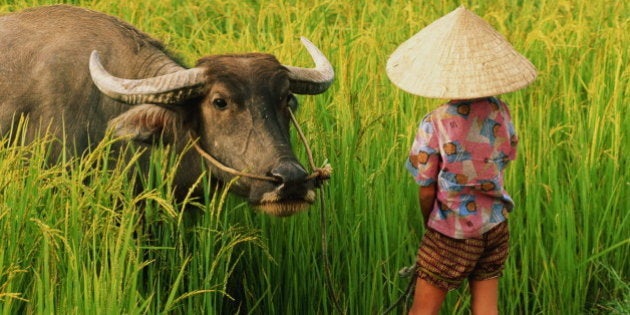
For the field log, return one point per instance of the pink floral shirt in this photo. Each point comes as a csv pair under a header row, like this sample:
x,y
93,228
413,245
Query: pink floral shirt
x,y
464,146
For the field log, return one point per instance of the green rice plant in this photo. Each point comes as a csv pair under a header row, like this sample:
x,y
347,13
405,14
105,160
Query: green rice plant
x,y
73,246
78,237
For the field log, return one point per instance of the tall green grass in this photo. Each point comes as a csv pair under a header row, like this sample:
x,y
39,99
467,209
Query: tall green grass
x,y
76,238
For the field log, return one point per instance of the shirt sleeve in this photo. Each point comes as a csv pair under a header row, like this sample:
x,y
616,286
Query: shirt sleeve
x,y
424,157
512,133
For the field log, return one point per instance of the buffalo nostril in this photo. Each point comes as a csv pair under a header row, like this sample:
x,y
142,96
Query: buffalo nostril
x,y
288,171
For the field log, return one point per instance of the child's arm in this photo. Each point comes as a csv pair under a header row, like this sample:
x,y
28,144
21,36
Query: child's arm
x,y
426,196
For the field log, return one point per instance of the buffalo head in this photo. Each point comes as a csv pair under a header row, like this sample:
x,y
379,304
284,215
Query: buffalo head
x,y
236,106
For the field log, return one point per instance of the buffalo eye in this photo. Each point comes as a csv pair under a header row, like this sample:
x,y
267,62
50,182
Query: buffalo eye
x,y
292,102
220,103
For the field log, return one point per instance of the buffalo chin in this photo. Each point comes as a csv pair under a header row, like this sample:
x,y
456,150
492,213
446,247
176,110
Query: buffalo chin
x,y
283,209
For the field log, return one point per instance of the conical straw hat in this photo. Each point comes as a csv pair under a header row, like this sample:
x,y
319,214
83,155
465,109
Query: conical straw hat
x,y
459,56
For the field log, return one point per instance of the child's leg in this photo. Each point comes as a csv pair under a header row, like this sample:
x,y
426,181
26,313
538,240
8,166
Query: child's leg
x,y
485,296
427,299
484,280
439,269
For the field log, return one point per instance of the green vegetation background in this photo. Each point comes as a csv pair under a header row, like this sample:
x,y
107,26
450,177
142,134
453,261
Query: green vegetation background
x,y
68,247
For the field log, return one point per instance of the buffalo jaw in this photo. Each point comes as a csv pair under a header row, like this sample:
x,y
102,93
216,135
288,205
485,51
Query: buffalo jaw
x,y
293,191
272,203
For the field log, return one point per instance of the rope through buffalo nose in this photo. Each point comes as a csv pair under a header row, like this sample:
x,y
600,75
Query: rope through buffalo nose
x,y
228,169
319,174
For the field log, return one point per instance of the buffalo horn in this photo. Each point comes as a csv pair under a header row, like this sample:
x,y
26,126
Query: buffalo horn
x,y
166,89
311,80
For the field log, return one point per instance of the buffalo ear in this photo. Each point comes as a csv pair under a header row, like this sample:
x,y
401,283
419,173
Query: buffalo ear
x,y
144,123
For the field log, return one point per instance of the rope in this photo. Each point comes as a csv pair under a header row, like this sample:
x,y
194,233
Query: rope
x,y
324,172
228,169
319,174
404,273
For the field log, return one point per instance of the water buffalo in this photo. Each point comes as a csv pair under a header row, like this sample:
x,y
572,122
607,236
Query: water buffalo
x,y
78,72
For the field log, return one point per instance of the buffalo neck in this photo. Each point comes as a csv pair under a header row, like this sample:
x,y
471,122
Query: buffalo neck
x,y
155,62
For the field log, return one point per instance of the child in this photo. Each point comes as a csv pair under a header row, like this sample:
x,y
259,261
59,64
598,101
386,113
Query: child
x,y
459,154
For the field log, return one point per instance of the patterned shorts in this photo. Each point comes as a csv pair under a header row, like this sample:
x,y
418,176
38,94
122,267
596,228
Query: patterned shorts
x,y
446,262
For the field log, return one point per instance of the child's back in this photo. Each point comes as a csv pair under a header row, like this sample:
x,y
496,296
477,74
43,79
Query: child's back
x,y
465,146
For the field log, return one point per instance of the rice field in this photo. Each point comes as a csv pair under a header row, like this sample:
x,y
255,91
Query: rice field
x,y
76,239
